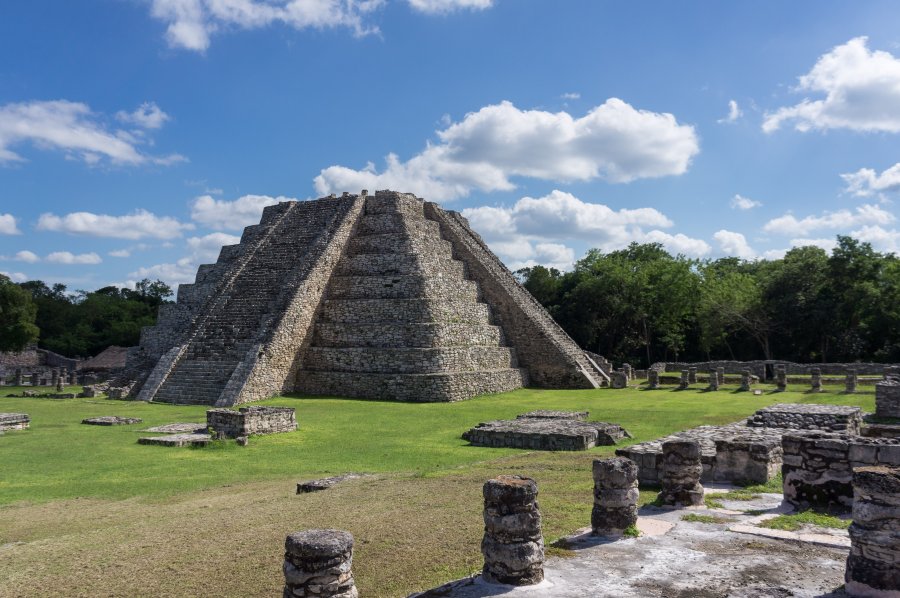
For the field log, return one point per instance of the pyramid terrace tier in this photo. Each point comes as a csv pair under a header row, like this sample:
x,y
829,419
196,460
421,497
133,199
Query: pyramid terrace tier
x,y
388,264
396,242
378,224
404,310
393,334
425,388
403,287
409,361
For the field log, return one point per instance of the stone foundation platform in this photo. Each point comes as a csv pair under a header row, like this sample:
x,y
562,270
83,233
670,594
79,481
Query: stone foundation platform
x,y
14,421
177,440
251,420
545,433
827,418
111,420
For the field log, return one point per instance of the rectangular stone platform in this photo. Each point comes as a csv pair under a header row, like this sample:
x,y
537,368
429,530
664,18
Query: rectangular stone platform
x,y
14,421
111,420
177,440
830,418
251,420
545,434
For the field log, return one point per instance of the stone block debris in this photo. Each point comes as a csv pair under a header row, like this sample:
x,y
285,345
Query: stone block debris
x,y
245,421
318,563
745,380
798,416
681,473
14,421
748,458
513,545
873,567
545,434
177,440
178,428
382,296
111,420
887,398
618,380
615,496
325,483
554,414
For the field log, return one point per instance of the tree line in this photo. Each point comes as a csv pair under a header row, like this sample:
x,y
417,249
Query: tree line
x,y
80,323
640,305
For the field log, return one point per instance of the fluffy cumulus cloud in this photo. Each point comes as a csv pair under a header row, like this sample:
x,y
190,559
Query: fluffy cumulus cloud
x,y
535,230
137,225
201,250
8,224
865,215
614,141
15,276
739,202
734,244
26,256
866,181
861,88
67,257
71,127
445,6
147,116
734,113
206,248
232,215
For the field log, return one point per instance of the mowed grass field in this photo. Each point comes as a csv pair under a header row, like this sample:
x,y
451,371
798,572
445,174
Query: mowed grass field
x,y
86,511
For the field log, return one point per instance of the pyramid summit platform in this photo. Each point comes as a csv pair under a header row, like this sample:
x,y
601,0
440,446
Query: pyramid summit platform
x,y
383,297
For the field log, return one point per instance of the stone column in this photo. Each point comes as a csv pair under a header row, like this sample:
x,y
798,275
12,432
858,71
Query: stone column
x,y
64,374
745,380
653,379
318,562
815,379
780,377
615,496
629,372
682,469
852,381
54,380
720,375
513,546
18,377
692,375
34,379
618,380
887,398
713,380
685,379
59,384
872,567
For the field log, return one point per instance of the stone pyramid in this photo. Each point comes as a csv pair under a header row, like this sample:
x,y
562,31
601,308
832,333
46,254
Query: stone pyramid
x,y
383,297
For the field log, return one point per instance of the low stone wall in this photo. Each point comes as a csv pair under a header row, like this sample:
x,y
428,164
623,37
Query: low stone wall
x,y
830,418
251,420
818,467
513,545
887,398
545,434
872,567
765,368
14,421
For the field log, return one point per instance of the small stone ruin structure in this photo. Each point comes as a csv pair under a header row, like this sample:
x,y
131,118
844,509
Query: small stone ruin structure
x,y
251,420
873,567
513,544
887,398
14,421
546,431
318,564
799,416
681,473
111,420
385,296
615,496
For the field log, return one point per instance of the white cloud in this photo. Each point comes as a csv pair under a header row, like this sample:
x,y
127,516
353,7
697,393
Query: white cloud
x,y
232,215
678,243
445,6
203,249
8,221
739,202
192,22
866,181
826,244
861,87
614,141
26,256
120,253
206,248
67,257
70,127
147,116
137,225
842,219
881,238
734,113
734,244
15,276
571,96
549,255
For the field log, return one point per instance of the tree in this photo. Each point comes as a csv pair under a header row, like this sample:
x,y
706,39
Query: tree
x,y
17,316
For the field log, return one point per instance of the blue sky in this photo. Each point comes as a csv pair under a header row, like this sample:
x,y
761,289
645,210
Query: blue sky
x,y
136,137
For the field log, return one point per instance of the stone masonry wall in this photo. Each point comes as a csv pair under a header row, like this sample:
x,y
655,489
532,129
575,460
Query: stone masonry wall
x,y
553,360
829,418
251,420
758,367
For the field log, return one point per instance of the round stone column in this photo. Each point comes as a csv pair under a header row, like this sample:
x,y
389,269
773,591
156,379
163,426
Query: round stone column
x,y
692,375
615,496
682,469
873,567
745,380
851,382
780,377
652,379
815,379
685,379
317,563
713,379
513,546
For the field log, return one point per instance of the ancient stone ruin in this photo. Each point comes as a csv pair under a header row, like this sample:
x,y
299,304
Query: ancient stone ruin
x,y
887,398
111,420
383,296
615,496
14,421
681,473
546,431
833,418
872,567
251,420
513,545
318,563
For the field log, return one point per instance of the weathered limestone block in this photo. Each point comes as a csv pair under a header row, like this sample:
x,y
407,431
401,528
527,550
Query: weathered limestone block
x,y
720,375
111,420
851,382
747,459
682,469
745,380
826,418
887,398
318,563
14,421
251,420
692,375
545,434
615,495
629,372
653,379
873,567
685,380
618,380
815,379
780,377
713,380
513,546
553,414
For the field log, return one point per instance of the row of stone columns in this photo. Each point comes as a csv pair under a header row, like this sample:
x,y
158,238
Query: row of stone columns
x,y
58,377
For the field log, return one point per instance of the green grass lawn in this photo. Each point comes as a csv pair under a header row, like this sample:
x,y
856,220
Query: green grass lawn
x,y
61,458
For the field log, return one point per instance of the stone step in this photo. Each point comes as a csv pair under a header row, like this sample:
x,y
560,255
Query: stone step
x,y
400,243
399,263
408,361
402,287
391,334
370,311
392,204
378,224
431,388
